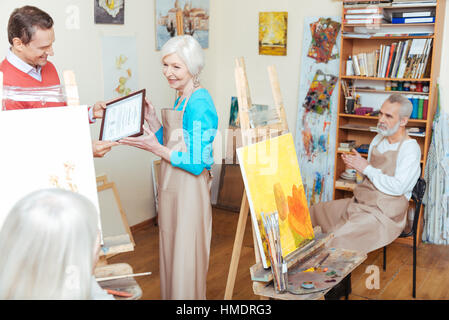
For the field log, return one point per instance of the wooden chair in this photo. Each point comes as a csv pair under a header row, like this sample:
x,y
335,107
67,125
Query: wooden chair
x,y
417,195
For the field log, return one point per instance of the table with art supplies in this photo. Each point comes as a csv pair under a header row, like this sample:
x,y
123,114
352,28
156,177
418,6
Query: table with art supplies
x,y
310,272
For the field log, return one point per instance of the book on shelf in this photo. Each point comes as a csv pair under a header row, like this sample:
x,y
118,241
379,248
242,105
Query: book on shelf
x,y
363,21
364,16
413,3
346,184
404,59
413,14
373,10
361,3
347,144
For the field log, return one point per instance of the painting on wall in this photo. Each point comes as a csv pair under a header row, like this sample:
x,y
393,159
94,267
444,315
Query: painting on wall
x,y
195,19
109,11
41,165
273,183
273,33
119,66
317,110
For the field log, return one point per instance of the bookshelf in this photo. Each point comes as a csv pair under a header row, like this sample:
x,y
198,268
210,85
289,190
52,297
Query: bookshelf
x,y
362,38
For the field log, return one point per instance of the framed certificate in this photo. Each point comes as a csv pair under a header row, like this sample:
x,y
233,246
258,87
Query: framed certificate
x,y
124,117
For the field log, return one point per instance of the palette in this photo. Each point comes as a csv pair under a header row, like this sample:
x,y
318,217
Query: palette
x,y
322,279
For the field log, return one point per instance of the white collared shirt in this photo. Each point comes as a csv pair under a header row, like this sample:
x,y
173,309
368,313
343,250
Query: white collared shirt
x,y
13,59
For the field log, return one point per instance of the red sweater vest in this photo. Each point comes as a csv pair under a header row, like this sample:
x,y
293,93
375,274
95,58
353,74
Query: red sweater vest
x,y
16,78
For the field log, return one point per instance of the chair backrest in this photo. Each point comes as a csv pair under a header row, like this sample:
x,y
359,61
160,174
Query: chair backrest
x,y
417,196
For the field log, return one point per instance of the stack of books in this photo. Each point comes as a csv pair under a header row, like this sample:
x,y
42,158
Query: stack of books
x,y
365,3
424,15
413,3
347,146
372,15
406,59
420,107
416,132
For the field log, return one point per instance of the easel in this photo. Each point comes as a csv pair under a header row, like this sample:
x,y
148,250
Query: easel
x,y
311,253
249,136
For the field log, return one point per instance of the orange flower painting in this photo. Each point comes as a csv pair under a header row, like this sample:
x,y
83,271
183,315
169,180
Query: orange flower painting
x,y
273,183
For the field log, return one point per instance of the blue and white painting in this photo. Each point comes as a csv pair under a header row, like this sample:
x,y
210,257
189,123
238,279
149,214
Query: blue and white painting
x,y
315,131
195,17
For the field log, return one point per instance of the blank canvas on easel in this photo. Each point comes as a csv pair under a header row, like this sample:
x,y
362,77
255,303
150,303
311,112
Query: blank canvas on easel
x,y
273,183
45,148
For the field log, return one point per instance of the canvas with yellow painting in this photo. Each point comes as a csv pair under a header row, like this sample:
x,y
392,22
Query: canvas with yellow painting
x,y
273,183
273,33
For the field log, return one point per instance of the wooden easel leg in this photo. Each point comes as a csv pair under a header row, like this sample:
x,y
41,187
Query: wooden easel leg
x,y
243,216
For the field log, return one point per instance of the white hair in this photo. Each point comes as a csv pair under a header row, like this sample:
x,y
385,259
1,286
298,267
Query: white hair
x,y
406,107
47,247
188,49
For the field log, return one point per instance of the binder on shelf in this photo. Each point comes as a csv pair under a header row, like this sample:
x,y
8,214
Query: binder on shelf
x,y
413,20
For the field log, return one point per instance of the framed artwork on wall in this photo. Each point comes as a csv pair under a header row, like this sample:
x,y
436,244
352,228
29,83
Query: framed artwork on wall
x,y
195,20
273,33
109,11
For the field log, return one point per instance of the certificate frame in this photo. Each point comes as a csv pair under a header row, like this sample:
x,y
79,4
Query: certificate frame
x,y
116,104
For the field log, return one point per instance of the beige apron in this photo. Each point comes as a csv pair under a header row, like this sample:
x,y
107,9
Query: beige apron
x,y
369,220
185,221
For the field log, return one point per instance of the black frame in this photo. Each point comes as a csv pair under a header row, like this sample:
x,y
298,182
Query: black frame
x,y
142,117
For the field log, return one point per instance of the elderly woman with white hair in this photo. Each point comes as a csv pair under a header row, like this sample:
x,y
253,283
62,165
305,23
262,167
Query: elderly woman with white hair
x,y
184,142
49,246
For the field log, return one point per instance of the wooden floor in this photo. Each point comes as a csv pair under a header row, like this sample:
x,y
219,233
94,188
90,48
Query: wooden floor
x,y
395,282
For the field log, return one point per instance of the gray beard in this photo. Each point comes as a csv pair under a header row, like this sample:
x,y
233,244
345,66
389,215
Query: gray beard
x,y
389,132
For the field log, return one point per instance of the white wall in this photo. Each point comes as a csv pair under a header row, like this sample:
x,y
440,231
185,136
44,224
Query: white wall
x,y
80,50
233,33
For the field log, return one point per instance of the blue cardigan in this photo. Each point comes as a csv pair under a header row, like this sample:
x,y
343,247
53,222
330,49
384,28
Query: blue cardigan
x,y
200,126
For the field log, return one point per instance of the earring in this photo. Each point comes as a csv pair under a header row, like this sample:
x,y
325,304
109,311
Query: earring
x,y
196,81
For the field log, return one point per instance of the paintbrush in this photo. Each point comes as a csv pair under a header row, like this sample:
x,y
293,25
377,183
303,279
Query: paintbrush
x,y
321,261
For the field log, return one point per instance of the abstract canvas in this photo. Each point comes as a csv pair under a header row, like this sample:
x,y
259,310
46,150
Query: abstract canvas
x,y
195,15
63,160
317,110
324,33
119,66
273,33
109,11
320,92
273,183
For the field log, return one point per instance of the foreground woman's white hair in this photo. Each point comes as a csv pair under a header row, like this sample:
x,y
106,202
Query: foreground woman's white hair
x,y
188,49
46,247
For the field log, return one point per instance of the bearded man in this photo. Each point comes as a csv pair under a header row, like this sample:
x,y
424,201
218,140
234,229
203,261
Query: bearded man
x,y
376,215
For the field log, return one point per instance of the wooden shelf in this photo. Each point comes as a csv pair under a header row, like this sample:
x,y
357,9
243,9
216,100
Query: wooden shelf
x,y
389,25
345,115
355,127
390,7
384,79
389,37
392,91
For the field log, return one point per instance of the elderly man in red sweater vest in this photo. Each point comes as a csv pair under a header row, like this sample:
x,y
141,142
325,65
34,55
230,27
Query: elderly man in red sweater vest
x,y
31,35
